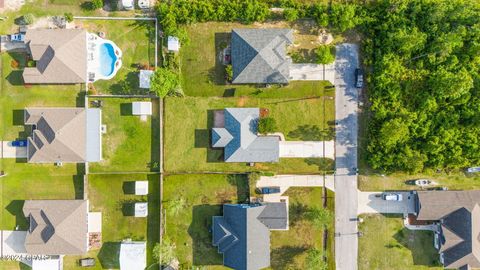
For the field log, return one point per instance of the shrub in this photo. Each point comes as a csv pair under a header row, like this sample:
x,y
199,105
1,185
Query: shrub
x,y
14,63
229,72
290,14
31,63
68,16
267,125
325,54
165,82
164,253
97,4
315,260
321,218
28,18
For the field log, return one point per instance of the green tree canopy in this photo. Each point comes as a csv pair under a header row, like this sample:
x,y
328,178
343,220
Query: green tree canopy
x,y
325,54
267,125
164,82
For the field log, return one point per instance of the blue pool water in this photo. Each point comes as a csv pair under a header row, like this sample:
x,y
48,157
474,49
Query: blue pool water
x,y
107,59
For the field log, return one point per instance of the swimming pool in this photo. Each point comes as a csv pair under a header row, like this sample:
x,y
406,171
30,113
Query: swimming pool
x,y
107,59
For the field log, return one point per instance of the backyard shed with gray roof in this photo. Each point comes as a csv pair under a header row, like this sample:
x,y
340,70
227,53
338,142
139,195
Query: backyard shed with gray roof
x,y
458,215
237,134
57,227
64,135
60,55
259,55
242,234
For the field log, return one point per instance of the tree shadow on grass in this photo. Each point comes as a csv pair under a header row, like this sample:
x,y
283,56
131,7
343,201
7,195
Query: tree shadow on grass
x,y
109,255
297,212
324,164
128,86
204,253
282,257
420,244
15,208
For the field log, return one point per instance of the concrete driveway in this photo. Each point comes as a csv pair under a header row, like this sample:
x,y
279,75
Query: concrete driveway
x,y
9,151
13,242
306,72
307,149
372,203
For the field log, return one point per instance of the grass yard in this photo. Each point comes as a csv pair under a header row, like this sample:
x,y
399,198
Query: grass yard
x,y
289,248
203,75
136,39
130,144
111,195
190,201
14,96
386,244
188,122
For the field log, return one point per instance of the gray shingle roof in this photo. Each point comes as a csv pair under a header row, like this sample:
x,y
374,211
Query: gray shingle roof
x,y
240,140
241,237
57,227
275,216
61,56
258,55
460,212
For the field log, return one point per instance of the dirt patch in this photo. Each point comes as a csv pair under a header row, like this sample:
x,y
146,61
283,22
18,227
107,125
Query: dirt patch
x,y
241,101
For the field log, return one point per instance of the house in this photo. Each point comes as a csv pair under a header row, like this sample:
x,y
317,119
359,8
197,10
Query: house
x,y
60,56
64,135
235,130
259,55
457,214
242,234
56,227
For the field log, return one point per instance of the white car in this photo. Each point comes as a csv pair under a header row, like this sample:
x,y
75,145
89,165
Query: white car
x,y
17,37
128,4
392,197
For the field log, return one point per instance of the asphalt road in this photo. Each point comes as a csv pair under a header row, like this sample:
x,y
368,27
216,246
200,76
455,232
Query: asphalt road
x,y
346,204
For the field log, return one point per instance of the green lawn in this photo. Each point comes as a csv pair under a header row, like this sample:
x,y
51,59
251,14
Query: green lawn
x,y
203,75
107,194
14,96
130,144
190,202
188,122
386,244
136,40
289,248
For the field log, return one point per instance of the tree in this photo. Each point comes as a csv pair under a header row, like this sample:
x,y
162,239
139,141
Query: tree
x,y
229,72
28,18
290,14
325,54
315,260
97,4
164,253
342,16
267,125
68,16
164,82
321,218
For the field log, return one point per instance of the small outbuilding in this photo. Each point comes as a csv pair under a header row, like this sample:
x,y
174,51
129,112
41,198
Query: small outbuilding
x,y
133,255
173,44
144,78
141,187
141,209
142,108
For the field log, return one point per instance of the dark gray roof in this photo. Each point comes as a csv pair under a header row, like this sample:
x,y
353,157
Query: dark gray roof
x,y
241,237
459,212
275,216
240,140
258,55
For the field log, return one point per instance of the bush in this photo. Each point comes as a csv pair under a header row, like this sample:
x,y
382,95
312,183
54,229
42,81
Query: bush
x,y
97,4
164,253
28,19
68,16
229,72
165,82
267,125
290,14
325,54
31,63
321,218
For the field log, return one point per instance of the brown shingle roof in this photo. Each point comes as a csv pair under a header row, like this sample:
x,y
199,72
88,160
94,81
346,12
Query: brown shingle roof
x,y
61,56
60,134
57,227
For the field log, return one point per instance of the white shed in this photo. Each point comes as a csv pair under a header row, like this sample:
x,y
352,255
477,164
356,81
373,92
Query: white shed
x,y
141,187
133,255
141,209
173,44
144,78
142,108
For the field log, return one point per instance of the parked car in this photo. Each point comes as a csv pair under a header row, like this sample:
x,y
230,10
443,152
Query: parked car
x,y
87,262
392,197
269,190
358,78
128,4
423,182
19,143
473,169
17,37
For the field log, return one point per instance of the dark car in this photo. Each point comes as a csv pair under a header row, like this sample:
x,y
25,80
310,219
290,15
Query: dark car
x,y
358,78
19,143
269,190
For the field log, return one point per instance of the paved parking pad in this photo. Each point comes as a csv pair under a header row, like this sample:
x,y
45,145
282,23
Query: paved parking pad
x,y
307,149
372,203
9,151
